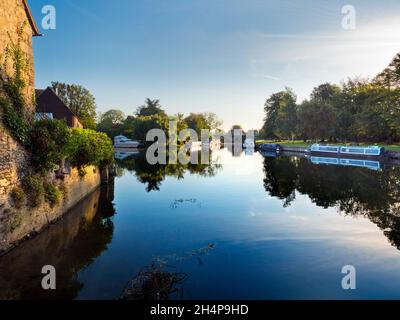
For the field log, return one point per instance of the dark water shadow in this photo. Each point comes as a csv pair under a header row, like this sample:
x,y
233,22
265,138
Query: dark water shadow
x,y
69,245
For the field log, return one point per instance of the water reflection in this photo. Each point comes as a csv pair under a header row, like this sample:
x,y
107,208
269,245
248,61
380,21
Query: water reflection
x,y
263,250
354,191
69,245
153,175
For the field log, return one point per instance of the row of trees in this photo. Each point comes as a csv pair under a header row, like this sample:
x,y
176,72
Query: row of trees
x,y
357,110
151,115
148,116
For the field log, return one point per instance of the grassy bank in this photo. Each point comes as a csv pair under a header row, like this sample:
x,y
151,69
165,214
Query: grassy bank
x,y
301,143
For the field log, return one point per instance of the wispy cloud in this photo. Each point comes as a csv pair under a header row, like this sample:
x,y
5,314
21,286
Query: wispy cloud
x,y
266,76
84,12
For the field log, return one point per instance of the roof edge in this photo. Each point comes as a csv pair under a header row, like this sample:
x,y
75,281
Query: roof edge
x,y
31,20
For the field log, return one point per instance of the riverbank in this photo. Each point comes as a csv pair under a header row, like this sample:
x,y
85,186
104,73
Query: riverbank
x,y
392,151
302,144
18,224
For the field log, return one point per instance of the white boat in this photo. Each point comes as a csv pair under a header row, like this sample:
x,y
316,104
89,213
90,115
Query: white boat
x,y
122,154
249,143
215,144
193,145
124,142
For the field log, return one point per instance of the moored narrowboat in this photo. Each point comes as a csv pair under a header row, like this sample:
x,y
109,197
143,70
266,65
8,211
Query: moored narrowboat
x,y
356,151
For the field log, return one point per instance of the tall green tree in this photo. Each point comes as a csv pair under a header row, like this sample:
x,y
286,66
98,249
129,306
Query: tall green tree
x,y
79,100
151,107
281,115
286,120
197,122
110,122
212,120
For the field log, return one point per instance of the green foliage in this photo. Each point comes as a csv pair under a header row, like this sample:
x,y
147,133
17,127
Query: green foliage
x,y
52,194
150,108
111,122
16,123
88,147
359,110
18,197
14,113
152,116
197,122
34,189
49,142
81,102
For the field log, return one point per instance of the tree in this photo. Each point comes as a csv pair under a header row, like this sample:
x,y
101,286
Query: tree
x,y
111,122
390,76
150,108
79,100
197,122
271,108
280,120
315,120
212,120
358,110
286,118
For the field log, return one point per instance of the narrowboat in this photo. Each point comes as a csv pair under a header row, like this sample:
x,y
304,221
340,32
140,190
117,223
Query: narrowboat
x,y
373,165
370,151
271,147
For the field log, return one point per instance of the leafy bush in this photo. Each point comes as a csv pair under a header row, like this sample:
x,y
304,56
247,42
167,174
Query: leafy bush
x,y
33,187
52,194
15,117
49,144
18,197
88,147
18,125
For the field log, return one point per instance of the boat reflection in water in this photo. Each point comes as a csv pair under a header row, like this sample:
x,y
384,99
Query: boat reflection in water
x,y
121,154
373,165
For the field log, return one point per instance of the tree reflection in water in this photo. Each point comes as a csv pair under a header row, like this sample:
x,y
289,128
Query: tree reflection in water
x,y
153,175
354,191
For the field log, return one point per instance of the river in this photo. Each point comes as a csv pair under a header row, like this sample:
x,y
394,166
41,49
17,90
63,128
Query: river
x,y
241,227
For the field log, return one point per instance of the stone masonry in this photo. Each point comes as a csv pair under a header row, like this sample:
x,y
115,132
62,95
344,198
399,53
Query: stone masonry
x,y
13,158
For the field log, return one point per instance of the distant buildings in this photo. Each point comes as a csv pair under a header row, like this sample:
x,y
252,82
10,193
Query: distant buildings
x,y
50,106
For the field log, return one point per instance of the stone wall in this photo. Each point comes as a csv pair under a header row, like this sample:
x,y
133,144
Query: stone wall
x,y
13,158
13,162
13,16
33,220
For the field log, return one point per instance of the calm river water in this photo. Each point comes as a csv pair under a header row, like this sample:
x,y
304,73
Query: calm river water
x,y
242,227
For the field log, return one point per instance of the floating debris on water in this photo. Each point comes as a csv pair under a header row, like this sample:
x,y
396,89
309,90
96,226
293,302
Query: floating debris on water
x,y
153,283
177,202
160,280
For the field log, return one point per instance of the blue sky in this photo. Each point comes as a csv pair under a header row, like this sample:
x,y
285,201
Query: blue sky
x,y
222,56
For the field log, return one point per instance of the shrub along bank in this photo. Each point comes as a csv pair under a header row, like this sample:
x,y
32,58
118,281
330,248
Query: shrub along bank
x,y
50,143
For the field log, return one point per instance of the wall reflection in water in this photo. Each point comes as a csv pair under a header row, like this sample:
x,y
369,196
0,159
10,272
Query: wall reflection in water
x,y
69,245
